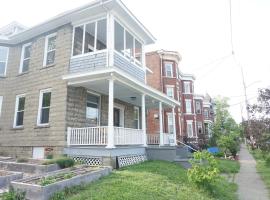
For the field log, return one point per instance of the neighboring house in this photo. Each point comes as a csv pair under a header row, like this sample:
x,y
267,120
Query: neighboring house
x,y
208,114
167,77
76,84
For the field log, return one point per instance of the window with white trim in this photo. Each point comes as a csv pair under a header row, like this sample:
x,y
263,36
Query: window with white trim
x,y
3,60
126,44
170,91
92,109
168,69
205,113
1,102
170,123
44,107
25,58
136,118
198,107
200,128
50,49
19,111
187,87
190,128
188,106
90,37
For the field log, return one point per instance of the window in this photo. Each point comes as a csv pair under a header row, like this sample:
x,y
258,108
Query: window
x,y
205,113
170,91
19,111
126,44
25,58
168,70
136,118
92,109
50,48
44,107
1,102
200,128
170,123
90,37
190,128
187,87
188,106
3,60
198,107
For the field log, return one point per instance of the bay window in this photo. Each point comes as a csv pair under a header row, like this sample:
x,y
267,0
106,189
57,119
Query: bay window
x,y
170,91
188,106
126,44
190,128
3,60
169,69
90,37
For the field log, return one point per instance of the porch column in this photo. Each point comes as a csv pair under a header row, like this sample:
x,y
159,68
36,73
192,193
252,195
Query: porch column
x,y
110,115
144,121
174,127
161,136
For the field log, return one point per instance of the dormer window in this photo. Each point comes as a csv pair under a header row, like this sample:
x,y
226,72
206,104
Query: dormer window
x,y
126,44
90,37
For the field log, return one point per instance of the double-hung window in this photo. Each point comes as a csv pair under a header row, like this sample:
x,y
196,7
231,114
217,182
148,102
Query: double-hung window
x,y
126,44
170,123
200,128
1,102
170,91
25,58
169,69
188,106
190,128
50,49
205,113
92,109
19,111
44,107
90,37
136,118
3,60
187,87
198,107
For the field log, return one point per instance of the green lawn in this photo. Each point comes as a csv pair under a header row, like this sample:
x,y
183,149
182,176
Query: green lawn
x,y
151,180
228,166
262,168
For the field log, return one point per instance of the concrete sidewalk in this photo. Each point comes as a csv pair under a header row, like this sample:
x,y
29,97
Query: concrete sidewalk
x,y
250,184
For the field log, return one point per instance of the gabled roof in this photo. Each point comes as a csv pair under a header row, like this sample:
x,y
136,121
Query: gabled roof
x,y
93,8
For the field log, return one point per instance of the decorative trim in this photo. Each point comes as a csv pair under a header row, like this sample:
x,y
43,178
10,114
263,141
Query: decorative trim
x,y
91,161
130,160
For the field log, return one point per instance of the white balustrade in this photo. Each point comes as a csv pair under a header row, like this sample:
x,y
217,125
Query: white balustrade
x,y
153,138
128,136
88,136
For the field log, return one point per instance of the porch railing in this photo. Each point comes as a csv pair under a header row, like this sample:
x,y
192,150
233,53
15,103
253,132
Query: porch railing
x,y
155,139
88,136
128,136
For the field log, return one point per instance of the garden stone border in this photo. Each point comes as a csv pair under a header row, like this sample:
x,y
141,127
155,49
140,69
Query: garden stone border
x,y
11,176
38,192
27,167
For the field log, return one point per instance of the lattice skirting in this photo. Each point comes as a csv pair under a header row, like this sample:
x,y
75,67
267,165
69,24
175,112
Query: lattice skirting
x,y
130,160
91,161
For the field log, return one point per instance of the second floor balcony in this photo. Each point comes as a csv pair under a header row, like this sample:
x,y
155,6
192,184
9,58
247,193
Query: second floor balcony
x,y
105,42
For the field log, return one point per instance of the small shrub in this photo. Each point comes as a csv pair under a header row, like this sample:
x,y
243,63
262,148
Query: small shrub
x,y
22,160
62,162
50,156
267,160
13,195
204,170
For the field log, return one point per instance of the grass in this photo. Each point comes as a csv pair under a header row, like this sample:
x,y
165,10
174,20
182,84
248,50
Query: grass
x,y
262,168
228,166
151,180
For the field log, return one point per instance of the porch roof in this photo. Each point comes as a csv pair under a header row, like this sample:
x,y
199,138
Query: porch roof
x,y
127,88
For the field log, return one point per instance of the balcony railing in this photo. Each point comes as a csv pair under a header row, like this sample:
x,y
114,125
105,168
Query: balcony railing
x,y
99,136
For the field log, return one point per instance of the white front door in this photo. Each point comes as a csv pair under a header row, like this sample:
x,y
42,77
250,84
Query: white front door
x,y
38,152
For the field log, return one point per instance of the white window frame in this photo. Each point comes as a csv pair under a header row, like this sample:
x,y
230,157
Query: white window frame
x,y
40,106
46,49
190,123
22,57
1,103
168,88
206,111
16,110
138,119
170,115
168,64
187,88
197,103
99,106
188,101
6,61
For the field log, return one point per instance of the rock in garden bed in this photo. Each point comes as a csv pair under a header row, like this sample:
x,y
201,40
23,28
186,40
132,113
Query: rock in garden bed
x,y
44,186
